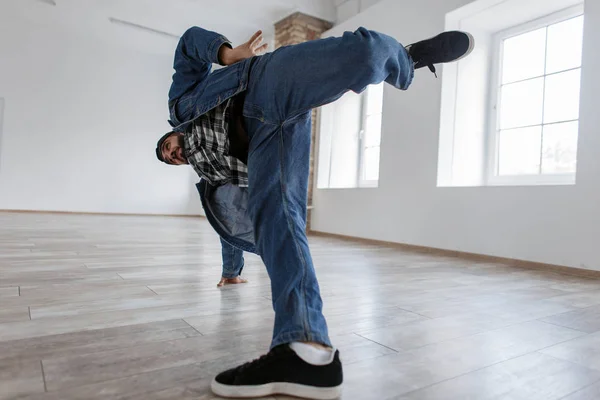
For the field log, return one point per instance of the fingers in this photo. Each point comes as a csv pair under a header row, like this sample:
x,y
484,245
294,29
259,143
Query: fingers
x,y
262,48
257,42
255,37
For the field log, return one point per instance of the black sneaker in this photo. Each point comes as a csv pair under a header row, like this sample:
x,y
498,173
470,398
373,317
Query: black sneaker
x,y
281,371
443,48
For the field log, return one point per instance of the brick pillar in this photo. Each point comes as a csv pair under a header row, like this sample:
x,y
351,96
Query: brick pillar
x,y
294,29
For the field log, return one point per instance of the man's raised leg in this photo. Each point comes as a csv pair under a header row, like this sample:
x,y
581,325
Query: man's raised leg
x,y
296,79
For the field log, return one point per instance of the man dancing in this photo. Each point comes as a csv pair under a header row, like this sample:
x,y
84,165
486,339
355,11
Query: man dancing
x,y
246,129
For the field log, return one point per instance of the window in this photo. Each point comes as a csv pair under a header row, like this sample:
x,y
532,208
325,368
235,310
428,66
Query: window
x,y
535,101
510,111
349,140
370,139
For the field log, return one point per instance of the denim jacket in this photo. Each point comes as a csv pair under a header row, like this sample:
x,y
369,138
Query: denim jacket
x,y
194,91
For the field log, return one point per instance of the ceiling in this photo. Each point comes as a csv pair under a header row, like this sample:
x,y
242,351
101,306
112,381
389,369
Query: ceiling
x,y
236,19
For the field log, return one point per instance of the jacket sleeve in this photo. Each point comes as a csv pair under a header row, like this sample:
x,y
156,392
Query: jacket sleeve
x,y
201,46
196,51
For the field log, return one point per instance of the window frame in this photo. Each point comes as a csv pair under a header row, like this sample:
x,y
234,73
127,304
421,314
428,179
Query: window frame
x,y
359,181
362,182
492,136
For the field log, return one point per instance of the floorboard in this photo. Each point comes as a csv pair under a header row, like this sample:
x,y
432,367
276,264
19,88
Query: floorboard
x,y
126,307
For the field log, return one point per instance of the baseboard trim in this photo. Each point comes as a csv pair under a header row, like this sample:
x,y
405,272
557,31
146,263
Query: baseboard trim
x,y
102,213
511,262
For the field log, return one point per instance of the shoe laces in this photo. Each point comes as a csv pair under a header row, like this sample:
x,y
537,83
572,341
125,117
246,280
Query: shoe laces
x,y
421,55
432,69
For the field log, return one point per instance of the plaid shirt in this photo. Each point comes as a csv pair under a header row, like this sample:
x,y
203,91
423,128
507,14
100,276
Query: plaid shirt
x,y
207,149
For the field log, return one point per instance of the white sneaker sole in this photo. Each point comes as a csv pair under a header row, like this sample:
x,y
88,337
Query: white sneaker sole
x,y
285,388
471,46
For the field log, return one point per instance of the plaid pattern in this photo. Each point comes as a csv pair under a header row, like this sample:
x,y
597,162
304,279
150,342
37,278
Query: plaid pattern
x,y
207,149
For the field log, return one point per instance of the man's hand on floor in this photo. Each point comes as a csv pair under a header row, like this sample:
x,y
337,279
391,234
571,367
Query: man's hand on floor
x,y
252,47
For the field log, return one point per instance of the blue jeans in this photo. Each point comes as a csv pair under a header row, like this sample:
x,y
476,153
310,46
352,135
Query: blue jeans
x,y
233,260
283,88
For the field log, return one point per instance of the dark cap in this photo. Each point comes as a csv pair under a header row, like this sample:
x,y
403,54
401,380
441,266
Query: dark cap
x,y
159,146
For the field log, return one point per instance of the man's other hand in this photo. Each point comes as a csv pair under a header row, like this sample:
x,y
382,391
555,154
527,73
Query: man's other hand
x,y
252,47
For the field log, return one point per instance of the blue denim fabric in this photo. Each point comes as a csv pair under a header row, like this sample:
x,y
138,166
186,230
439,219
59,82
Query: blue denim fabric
x,y
196,90
233,260
226,210
283,87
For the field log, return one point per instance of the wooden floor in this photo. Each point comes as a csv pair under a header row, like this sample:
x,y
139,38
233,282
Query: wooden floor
x,y
97,307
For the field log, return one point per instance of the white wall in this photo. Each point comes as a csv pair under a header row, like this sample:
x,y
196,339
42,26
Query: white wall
x,y
555,224
81,121
346,9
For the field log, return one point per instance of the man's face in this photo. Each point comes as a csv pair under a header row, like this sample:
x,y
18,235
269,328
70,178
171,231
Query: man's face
x,y
172,150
